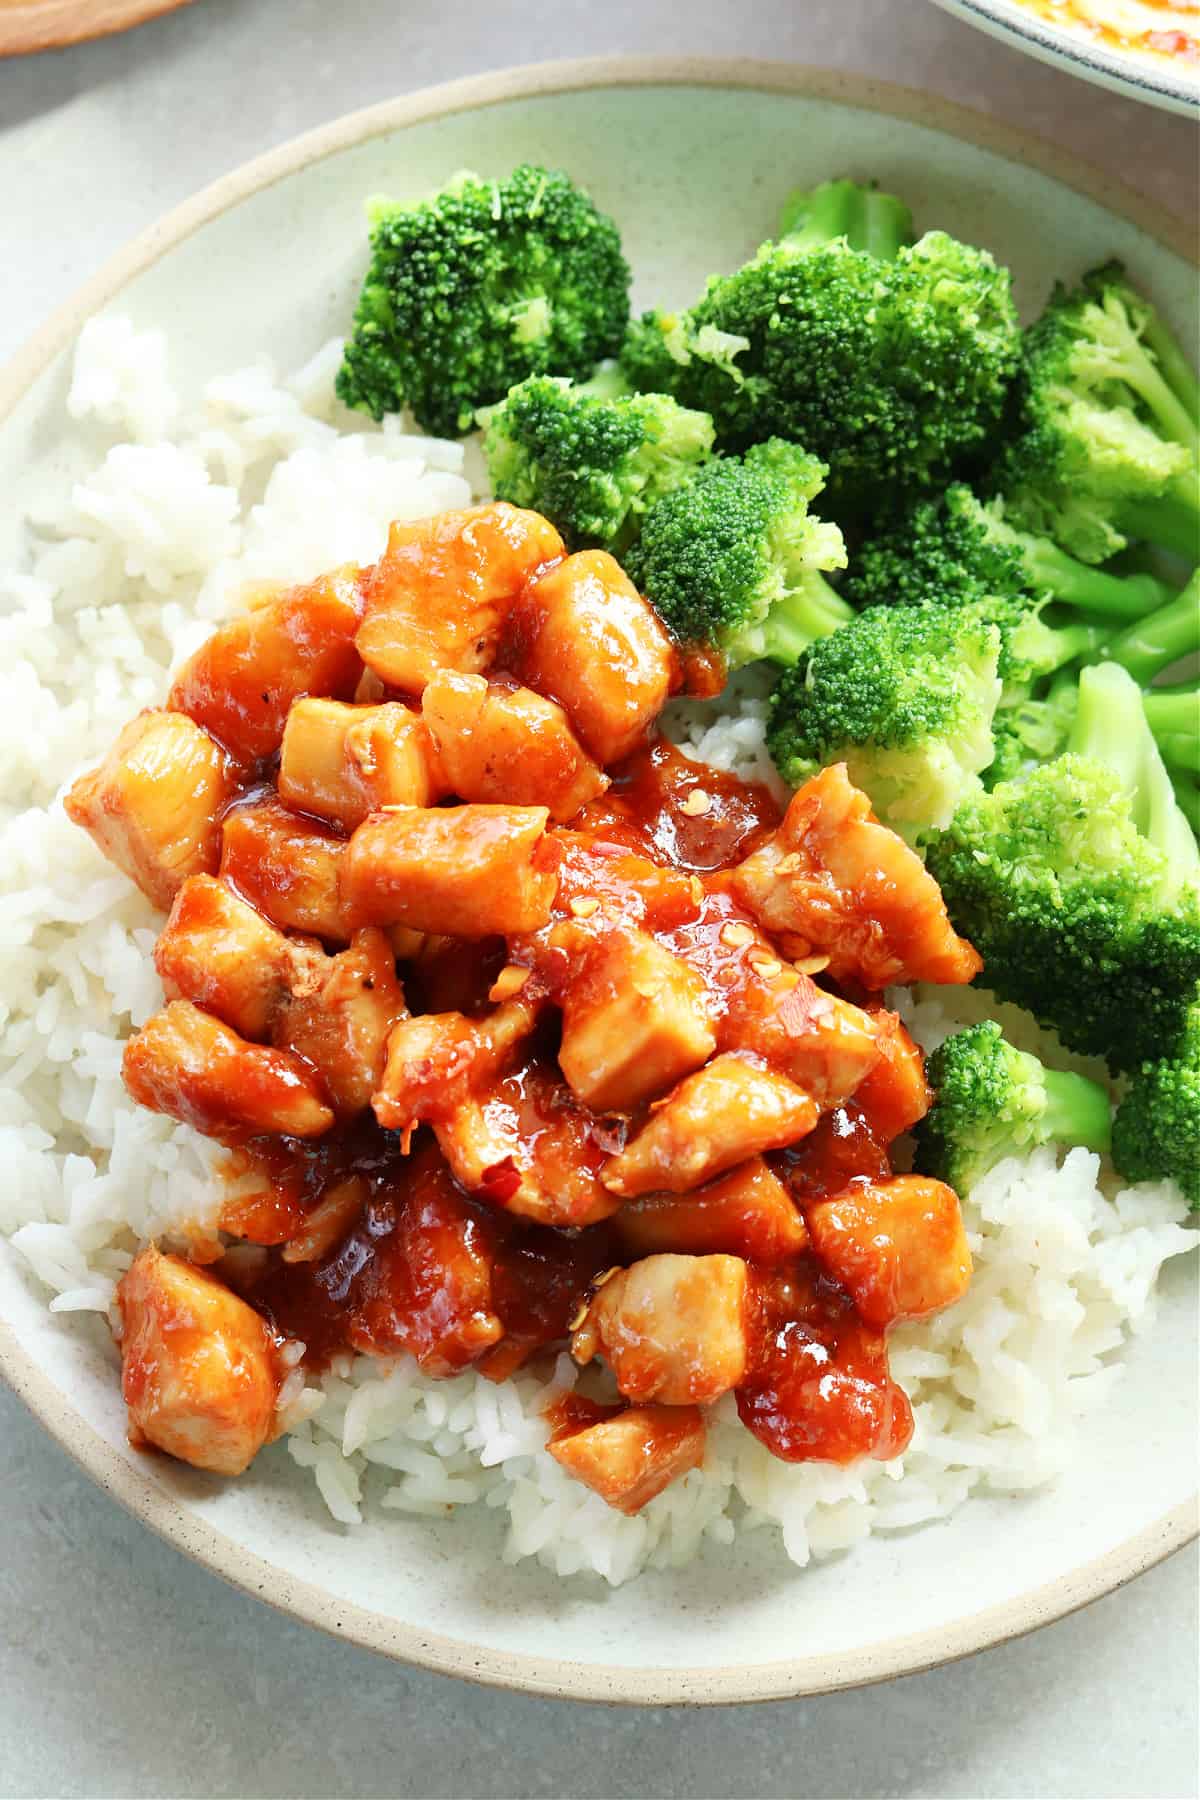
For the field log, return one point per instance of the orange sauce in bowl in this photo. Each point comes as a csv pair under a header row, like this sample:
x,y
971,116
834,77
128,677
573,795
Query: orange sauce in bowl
x,y
1158,28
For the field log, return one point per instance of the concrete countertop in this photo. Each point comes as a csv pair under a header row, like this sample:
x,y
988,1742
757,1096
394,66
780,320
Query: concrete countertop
x,y
124,1669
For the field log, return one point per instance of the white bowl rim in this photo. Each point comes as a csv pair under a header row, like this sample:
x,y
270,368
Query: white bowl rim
x,y
134,1488
1125,71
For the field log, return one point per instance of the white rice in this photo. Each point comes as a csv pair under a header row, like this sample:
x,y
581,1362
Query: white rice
x,y
123,575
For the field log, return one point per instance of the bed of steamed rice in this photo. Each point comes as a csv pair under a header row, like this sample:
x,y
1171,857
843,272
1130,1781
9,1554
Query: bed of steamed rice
x,y
123,575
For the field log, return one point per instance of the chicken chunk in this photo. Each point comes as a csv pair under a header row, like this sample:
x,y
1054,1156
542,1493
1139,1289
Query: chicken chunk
x,y
746,1213
631,1458
729,1110
341,1026
635,1020
288,868
187,1064
472,871
437,1061
895,1094
671,1328
241,684
438,596
500,742
217,951
834,882
198,1367
897,1247
823,1043
343,762
154,805
583,635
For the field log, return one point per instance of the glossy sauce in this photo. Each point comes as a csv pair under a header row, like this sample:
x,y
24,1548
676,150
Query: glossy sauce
x,y
651,806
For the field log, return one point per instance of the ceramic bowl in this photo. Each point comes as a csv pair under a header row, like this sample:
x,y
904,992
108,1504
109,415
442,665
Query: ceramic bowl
x,y
1056,36
693,160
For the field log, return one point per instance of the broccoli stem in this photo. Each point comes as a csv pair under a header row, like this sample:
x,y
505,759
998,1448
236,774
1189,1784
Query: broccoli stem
x,y
1172,520
868,220
1174,711
1095,590
1175,366
1152,644
1187,797
1180,750
811,611
1110,728
1078,1111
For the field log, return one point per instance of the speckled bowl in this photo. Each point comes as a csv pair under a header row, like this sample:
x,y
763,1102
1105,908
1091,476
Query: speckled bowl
x,y
270,257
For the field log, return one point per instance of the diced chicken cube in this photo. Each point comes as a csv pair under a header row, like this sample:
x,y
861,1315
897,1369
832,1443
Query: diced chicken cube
x,y
241,684
895,1094
186,1063
629,1459
729,1110
471,871
635,1020
823,1043
671,1328
217,951
583,635
329,1221
288,868
436,1061
342,762
198,1367
746,1213
439,595
154,805
499,742
834,882
897,1247
341,1026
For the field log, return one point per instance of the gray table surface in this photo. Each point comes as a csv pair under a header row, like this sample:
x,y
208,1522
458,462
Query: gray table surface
x,y
124,1669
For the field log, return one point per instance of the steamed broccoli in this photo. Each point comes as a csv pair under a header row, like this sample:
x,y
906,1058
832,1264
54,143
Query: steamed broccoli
x,y
992,1101
592,463
734,562
474,289
890,360
1108,426
904,696
1173,714
1150,645
1156,1132
1079,883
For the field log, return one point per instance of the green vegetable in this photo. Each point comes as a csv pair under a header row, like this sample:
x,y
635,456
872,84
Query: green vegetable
x,y
1156,1133
471,291
889,360
593,463
1079,883
735,562
1108,426
904,696
1173,714
992,1101
1151,644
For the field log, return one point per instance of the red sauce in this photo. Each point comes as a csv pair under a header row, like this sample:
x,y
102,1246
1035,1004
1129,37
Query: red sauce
x,y
646,808
573,1413
841,1150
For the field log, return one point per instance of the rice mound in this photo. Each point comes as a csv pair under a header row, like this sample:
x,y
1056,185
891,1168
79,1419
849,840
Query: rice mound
x,y
271,480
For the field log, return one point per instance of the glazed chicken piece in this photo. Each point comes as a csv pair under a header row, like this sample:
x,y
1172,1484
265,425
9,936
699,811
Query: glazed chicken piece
x,y
583,635
343,762
241,683
341,1025
470,871
198,1365
895,1095
154,805
436,1061
288,868
217,951
671,1328
635,1020
897,1247
834,882
630,1458
438,596
186,1063
823,1043
747,1213
731,1109
500,742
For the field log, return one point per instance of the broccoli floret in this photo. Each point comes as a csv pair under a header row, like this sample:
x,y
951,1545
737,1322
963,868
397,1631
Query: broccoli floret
x,y
592,464
1106,443
471,291
735,562
904,696
991,1101
1079,883
889,360
1156,1132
